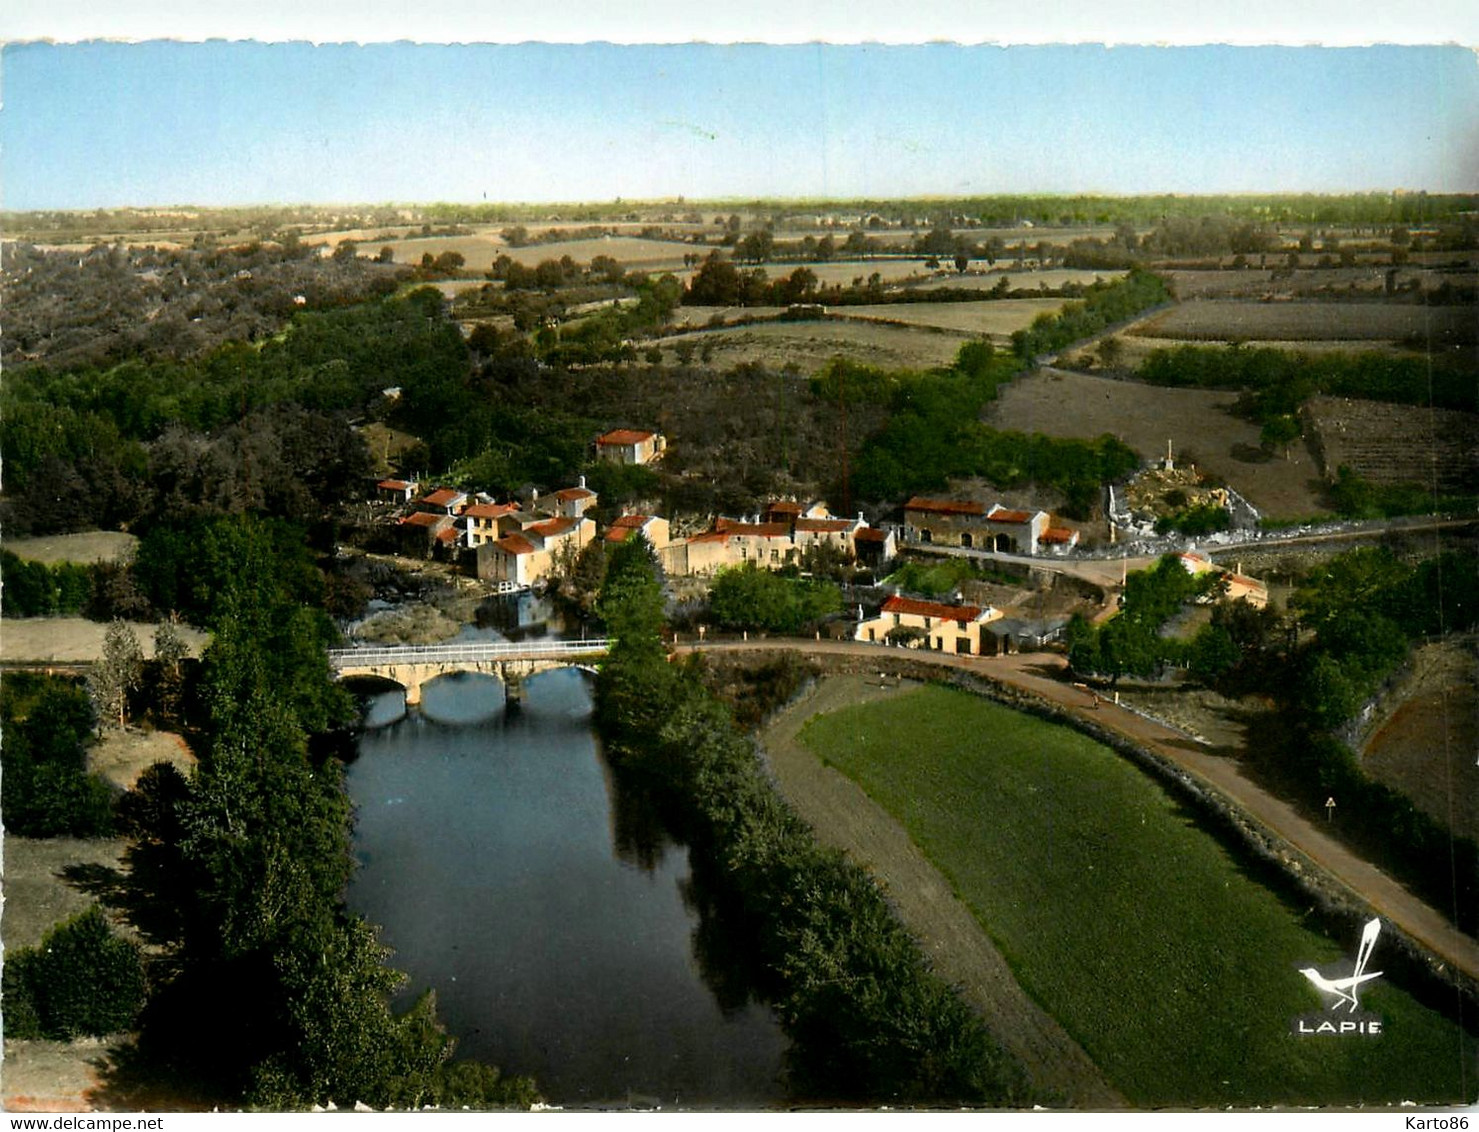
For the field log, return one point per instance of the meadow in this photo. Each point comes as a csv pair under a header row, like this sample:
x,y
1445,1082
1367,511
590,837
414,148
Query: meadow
x,y
1222,321
1151,943
810,345
990,318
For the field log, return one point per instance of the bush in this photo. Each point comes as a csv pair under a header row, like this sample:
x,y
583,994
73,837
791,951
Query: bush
x,y
84,980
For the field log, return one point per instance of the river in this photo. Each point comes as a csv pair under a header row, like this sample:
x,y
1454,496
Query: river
x,y
499,857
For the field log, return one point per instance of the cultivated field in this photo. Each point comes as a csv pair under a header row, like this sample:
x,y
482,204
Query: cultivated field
x,y
1222,321
1425,746
1145,938
1398,443
1252,283
989,318
1196,421
694,318
810,345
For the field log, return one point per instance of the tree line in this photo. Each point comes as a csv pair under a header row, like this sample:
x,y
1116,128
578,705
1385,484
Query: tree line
x,y
867,1019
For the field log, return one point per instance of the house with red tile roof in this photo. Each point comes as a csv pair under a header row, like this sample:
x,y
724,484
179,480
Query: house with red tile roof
x,y
972,524
652,527
939,626
630,446
531,546
395,491
447,500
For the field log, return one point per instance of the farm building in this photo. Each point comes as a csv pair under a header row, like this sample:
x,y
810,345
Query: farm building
x,y
630,446
959,629
573,502
971,523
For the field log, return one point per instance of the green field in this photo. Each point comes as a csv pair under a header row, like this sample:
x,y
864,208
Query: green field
x,y
1176,971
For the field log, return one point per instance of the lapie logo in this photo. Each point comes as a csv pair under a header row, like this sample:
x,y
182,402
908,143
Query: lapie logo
x,y
1345,992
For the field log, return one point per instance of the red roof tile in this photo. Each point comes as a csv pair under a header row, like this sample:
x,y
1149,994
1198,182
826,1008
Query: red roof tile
x,y
395,485
824,524
785,507
871,534
625,436
449,534
932,609
490,510
946,506
515,544
425,519
443,496
567,494
1057,534
1002,515
552,527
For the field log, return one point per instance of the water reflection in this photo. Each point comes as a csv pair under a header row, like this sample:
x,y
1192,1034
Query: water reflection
x,y
512,871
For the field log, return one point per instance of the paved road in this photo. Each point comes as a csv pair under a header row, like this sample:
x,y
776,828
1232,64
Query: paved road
x,y
1042,675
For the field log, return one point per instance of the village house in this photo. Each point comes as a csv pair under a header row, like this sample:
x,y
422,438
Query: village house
x,y
840,534
531,547
395,491
654,528
630,446
422,531
573,502
732,543
481,521
874,547
958,629
444,500
970,523
1235,584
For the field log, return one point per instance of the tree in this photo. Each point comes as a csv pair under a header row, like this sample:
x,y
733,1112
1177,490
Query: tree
x,y
1279,432
962,261
170,652
117,674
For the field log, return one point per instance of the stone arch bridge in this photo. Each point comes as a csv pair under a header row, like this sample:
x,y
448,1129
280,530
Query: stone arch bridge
x,y
411,666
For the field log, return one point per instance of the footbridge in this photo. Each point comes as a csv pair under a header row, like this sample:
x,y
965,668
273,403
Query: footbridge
x,y
411,666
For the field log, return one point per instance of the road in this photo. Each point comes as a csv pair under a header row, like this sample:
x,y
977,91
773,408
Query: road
x,y
1042,675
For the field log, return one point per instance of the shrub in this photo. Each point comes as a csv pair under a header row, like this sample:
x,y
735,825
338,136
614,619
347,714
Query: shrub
x,y
84,980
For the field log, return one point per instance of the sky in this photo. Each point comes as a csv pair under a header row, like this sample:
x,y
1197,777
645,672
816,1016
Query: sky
x,y
95,123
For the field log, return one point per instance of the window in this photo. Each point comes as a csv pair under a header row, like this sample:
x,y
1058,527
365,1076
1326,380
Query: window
x,y
870,634
925,535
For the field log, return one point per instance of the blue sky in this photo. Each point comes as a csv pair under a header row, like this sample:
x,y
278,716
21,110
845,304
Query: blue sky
x,y
101,124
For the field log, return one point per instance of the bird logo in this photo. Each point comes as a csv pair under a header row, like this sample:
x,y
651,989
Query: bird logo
x,y
1347,990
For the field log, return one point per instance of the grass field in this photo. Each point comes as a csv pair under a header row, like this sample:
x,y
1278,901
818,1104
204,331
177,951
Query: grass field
x,y
83,546
1221,321
811,345
1143,936
993,318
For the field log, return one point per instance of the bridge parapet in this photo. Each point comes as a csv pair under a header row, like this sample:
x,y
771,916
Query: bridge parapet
x,y
410,666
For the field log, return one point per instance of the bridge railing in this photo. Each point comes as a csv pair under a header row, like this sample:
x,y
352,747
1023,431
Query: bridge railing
x,y
467,653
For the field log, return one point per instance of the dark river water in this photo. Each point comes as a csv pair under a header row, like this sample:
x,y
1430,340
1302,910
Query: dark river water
x,y
488,850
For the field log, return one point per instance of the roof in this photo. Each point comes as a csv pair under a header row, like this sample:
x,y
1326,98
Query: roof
x,y
425,519
946,506
552,527
490,510
443,496
938,609
1058,534
1002,515
567,494
625,436
871,534
396,485
825,524
515,544
784,507
624,525
751,530
448,534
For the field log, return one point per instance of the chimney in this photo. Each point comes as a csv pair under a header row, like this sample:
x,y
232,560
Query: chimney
x,y
582,481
